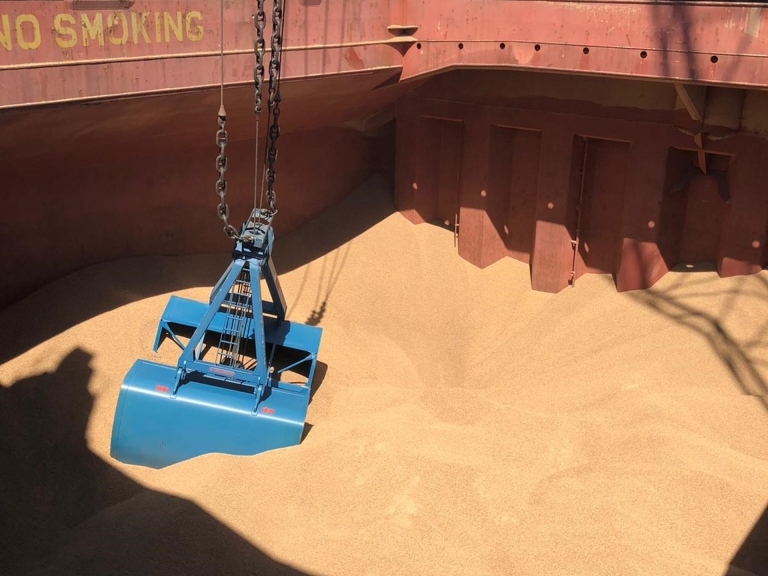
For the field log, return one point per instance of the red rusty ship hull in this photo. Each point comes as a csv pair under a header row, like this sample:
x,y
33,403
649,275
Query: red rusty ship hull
x,y
550,132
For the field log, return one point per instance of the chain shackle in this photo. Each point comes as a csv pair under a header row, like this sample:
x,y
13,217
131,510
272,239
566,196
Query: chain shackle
x,y
230,231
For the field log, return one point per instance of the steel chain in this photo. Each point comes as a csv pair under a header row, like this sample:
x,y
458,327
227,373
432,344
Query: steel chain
x,y
221,185
274,104
274,99
222,210
258,48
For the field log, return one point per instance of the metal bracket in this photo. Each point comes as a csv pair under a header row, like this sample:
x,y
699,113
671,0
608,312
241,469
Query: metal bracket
x,y
577,233
456,230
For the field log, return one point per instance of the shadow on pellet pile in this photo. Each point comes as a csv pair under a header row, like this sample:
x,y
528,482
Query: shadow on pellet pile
x,y
742,355
129,282
63,510
752,556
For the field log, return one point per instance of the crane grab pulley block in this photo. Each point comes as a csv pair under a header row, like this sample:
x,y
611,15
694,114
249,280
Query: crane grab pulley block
x,y
241,384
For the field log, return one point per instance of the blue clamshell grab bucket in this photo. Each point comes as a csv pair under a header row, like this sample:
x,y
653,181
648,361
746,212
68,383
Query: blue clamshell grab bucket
x,y
242,383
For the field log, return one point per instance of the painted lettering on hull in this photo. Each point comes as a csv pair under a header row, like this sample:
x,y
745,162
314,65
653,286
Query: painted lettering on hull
x,y
97,29
22,32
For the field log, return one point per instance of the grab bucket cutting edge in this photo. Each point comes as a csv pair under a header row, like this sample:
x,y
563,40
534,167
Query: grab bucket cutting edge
x,y
154,429
236,404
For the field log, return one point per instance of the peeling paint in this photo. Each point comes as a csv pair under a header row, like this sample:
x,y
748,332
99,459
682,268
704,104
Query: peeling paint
x,y
753,22
523,54
611,9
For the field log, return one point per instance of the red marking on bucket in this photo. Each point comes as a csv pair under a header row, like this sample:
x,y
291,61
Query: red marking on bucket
x,y
266,410
160,388
221,372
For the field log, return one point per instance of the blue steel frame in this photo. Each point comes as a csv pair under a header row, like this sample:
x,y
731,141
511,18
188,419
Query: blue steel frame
x,y
153,427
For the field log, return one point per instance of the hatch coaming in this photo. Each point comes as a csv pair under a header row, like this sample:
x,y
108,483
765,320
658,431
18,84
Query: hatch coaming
x,y
58,52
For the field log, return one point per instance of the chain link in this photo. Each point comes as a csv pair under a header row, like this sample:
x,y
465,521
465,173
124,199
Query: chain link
x,y
258,48
274,99
221,184
222,209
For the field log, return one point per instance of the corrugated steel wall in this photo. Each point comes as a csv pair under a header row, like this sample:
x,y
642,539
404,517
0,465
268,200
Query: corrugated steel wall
x,y
573,194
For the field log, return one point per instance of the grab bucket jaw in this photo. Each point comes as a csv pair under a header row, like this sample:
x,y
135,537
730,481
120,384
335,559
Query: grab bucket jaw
x,y
241,403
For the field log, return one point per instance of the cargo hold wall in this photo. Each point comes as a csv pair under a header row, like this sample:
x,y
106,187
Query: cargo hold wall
x,y
579,187
63,216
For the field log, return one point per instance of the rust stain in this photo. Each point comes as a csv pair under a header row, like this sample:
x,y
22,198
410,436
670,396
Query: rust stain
x,y
354,61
